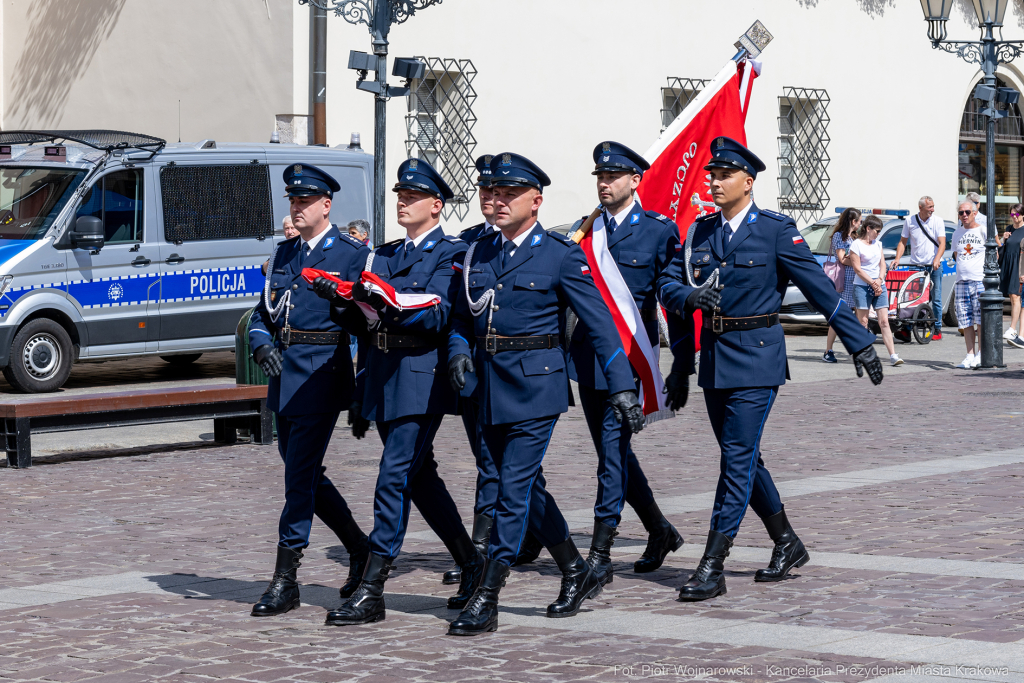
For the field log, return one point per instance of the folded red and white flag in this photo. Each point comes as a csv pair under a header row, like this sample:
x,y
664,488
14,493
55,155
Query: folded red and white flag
x,y
398,300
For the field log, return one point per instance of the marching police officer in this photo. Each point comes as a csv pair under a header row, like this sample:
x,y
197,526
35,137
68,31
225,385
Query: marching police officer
x,y
735,267
643,243
487,475
517,285
302,346
408,394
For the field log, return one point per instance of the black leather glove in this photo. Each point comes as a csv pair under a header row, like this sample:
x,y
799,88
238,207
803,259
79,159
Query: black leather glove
x,y
269,359
355,418
374,300
867,359
627,407
457,369
677,390
325,289
706,299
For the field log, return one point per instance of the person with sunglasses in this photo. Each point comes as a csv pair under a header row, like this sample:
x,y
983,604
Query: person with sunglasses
x,y
869,287
969,253
1009,266
926,233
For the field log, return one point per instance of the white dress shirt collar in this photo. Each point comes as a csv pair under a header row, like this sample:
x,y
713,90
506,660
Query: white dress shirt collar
x,y
313,242
416,242
739,219
621,217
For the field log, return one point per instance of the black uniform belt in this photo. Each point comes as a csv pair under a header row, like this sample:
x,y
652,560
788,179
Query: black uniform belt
x,y
493,343
385,341
291,337
718,324
649,314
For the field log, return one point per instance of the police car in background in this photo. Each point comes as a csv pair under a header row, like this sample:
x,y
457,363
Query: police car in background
x,y
116,244
818,237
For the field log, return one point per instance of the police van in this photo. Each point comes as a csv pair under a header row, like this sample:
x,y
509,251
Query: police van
x,y
117,244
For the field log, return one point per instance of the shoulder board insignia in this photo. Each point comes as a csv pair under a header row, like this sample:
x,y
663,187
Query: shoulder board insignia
x,y
706,217
452,239
394,243
774,214
559,237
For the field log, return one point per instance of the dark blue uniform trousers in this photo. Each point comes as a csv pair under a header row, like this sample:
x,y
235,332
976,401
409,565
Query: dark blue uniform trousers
x,y
518,450
486,471
408,475
302,441
738,417
619,477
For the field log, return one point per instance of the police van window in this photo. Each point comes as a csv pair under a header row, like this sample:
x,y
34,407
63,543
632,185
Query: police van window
x,y
32,198
891,238
116,199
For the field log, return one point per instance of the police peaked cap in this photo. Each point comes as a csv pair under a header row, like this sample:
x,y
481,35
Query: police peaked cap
x,y
514,170
483,168
615,157
416,174
727,153
303,180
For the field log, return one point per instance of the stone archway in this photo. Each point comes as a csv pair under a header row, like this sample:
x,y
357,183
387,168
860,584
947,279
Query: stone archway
x,y
1009,154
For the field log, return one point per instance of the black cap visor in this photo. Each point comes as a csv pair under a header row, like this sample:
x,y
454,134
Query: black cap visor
x,y
512,181
728,163
425,189
307,191
617,168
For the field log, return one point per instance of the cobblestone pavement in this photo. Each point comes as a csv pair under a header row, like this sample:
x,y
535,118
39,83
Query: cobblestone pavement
x,y
143,568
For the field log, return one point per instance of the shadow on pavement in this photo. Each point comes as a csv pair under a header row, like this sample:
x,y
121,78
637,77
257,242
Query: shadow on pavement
x,y
75,456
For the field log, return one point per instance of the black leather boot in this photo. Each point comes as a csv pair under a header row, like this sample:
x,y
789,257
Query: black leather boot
x,y
481,539
662,540
709,579
789,552
358,547
367,603
529,551
579,581
471,568
600,557
282,594
481,614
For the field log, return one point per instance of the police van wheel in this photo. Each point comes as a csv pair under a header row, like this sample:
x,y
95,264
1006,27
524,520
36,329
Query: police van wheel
x,y
183,359
41,357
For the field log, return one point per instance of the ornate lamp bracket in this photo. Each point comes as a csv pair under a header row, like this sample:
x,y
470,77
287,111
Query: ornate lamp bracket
x,y
361,11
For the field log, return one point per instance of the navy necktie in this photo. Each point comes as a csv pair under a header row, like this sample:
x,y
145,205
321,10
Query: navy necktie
x,y
409,248
609,223
304,254
506,252
728,232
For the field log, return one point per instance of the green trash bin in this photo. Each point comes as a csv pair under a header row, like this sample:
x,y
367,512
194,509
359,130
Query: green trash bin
x,y
247,371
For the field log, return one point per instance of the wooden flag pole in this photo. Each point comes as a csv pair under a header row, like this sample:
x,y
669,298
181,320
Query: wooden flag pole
x,y
587,226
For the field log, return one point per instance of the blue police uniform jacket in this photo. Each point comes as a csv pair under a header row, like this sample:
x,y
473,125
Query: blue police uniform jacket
x,y
314,379
643,248
470,235
764,255
414,381
547,273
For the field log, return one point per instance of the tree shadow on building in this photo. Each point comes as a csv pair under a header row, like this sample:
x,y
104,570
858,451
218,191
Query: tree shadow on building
x,y
60,44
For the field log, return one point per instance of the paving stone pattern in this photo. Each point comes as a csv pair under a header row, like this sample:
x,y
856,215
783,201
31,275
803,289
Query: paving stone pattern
x,y
200,524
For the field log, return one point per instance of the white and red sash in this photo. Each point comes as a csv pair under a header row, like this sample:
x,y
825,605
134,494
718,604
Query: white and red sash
x,y
398,300
642,355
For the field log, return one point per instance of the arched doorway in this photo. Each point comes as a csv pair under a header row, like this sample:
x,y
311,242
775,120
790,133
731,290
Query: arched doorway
x,y
1009,158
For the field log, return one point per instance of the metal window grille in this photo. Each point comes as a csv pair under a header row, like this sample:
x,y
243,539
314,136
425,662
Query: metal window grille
x,y
679,93
216,202
803,153
440,123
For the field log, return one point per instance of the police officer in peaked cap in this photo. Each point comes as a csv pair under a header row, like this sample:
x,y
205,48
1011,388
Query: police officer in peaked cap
x,y
407,392
302,346
487,475
507,336
643,244
735,268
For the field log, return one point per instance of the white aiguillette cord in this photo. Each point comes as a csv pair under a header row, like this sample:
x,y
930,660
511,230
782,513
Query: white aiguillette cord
x,y
284,305
712,280
484,302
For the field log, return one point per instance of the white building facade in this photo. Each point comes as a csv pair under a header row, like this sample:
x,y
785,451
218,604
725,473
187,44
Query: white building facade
x,y
853,107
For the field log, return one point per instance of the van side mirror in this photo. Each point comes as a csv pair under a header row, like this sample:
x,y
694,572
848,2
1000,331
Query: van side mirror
x,y
88,233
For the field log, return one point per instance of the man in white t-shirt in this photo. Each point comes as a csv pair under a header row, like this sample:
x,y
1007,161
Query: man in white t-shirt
x,y
969,252
927,235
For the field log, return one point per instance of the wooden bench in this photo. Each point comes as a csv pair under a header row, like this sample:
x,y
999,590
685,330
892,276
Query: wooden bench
x,y
230,406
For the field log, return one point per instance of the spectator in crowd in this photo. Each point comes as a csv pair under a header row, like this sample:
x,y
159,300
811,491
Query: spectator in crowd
x,y
843,235
869,286
360,230
927,235
1009,267
969,252
289,232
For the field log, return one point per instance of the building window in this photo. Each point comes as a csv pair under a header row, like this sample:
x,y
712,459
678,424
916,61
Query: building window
x,y
803,153
440,123
679,93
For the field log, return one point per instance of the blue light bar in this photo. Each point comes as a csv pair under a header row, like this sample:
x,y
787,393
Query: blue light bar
x,y
902,213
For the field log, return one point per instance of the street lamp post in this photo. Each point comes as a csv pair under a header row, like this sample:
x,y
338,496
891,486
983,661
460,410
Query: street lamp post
x,y
378,16
988,53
